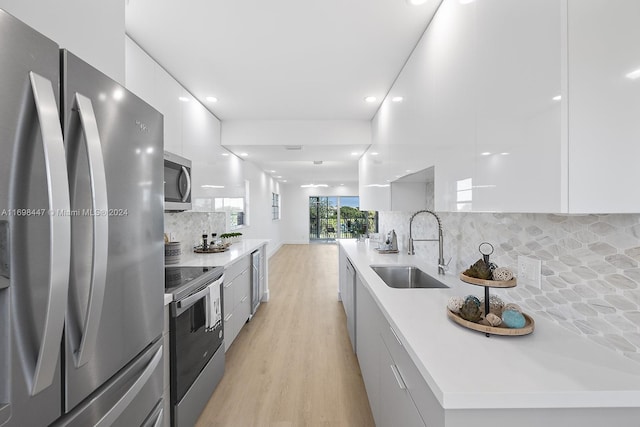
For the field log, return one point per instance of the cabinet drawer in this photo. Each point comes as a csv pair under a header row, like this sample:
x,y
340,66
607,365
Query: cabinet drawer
x,y
241,287
234,270
427,404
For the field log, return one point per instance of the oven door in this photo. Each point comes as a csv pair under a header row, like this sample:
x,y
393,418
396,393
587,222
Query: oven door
x,y
192,345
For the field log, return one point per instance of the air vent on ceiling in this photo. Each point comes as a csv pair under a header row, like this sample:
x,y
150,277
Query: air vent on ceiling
x,y
293,147
317,162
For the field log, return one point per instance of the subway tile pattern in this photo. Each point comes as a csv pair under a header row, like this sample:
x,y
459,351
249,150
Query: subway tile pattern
x,y
187,227
590,265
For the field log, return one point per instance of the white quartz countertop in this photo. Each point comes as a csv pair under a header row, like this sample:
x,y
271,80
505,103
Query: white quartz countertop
x,y
550,368
222,259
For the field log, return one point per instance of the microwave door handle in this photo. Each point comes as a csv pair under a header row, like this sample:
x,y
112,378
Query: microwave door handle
x,y
187,192
59,234
100,206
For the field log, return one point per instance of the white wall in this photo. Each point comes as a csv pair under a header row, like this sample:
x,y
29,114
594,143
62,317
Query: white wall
x,y
92,30
261,226
295,132
295,208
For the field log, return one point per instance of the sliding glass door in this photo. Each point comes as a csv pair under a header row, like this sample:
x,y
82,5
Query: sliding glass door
x,y
339,217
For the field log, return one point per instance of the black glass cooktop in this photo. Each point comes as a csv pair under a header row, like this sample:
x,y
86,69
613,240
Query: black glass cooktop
x,y
177,278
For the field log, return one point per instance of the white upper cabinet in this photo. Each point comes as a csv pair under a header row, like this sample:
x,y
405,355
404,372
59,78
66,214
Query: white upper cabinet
x,y
518,86
604,105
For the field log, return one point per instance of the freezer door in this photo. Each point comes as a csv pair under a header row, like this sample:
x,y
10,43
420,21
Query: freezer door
x,y
115,164
132,398
34,231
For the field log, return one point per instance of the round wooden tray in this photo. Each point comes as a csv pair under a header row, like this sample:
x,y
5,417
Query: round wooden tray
x,y
488,283
495,330
211,250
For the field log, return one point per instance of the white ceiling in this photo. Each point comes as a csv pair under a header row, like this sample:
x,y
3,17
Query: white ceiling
x,y
282,59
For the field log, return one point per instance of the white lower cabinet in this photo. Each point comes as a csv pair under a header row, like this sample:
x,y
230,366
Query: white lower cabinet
x,y
398,394
236,306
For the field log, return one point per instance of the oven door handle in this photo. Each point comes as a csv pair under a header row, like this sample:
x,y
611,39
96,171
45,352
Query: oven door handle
x,y
187,302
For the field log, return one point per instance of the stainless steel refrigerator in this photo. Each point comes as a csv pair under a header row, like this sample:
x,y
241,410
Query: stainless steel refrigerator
x,y
81,248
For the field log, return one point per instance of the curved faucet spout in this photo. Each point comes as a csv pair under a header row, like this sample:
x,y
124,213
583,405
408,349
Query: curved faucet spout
x,y
441,264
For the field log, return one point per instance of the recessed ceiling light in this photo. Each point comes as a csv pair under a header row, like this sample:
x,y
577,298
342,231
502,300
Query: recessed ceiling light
x,y
557,98
486,153
375,153
183,98
370,99
635,74
466,1
408,170
313,185
271,171
504,154
284,180
244,154
397,99
279,176
355,153
211,99
416,2
225,154
212,186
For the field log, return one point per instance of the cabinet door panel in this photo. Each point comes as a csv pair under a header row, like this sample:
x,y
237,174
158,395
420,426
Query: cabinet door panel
x,y
518,130
369,344
604,106
396,406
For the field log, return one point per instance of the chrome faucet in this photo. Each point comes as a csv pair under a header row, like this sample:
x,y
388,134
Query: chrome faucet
x,y
441,264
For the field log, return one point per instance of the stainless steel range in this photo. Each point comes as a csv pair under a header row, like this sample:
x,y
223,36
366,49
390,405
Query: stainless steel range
x,y
196,336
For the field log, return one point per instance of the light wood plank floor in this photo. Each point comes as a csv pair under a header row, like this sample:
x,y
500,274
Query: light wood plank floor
x,y
292,365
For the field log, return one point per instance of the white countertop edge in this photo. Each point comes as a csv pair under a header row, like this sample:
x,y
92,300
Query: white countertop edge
x,y
222,259
487,399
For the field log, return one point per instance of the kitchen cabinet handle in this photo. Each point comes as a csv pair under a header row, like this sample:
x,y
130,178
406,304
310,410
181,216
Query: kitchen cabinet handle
x,y
396,336
59,232
116,410
186,194
100,205
398,377
228,316
227,285
244,298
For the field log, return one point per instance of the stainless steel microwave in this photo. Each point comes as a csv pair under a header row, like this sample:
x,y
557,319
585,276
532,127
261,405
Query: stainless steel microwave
x,y
177,182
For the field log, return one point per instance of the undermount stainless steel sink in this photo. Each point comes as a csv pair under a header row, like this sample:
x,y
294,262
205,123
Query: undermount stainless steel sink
x,y
406,276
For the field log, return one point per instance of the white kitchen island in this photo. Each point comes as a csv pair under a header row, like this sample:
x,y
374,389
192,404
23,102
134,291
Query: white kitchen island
x,y
552,377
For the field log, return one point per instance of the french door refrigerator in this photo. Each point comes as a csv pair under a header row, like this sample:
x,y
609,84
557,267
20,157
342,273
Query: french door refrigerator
x,y
81,248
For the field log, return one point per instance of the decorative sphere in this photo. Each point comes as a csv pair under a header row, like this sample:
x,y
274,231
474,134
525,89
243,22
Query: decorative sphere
x,y
502,273
455,304
496,305
512,306
472,298
513,319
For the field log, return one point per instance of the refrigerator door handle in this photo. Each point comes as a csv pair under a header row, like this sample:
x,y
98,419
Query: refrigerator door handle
x,y
187,193
60,232
116,410
160,419
100,207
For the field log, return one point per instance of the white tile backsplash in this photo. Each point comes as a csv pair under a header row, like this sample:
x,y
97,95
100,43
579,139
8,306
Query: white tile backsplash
x,y
590,265
188,227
